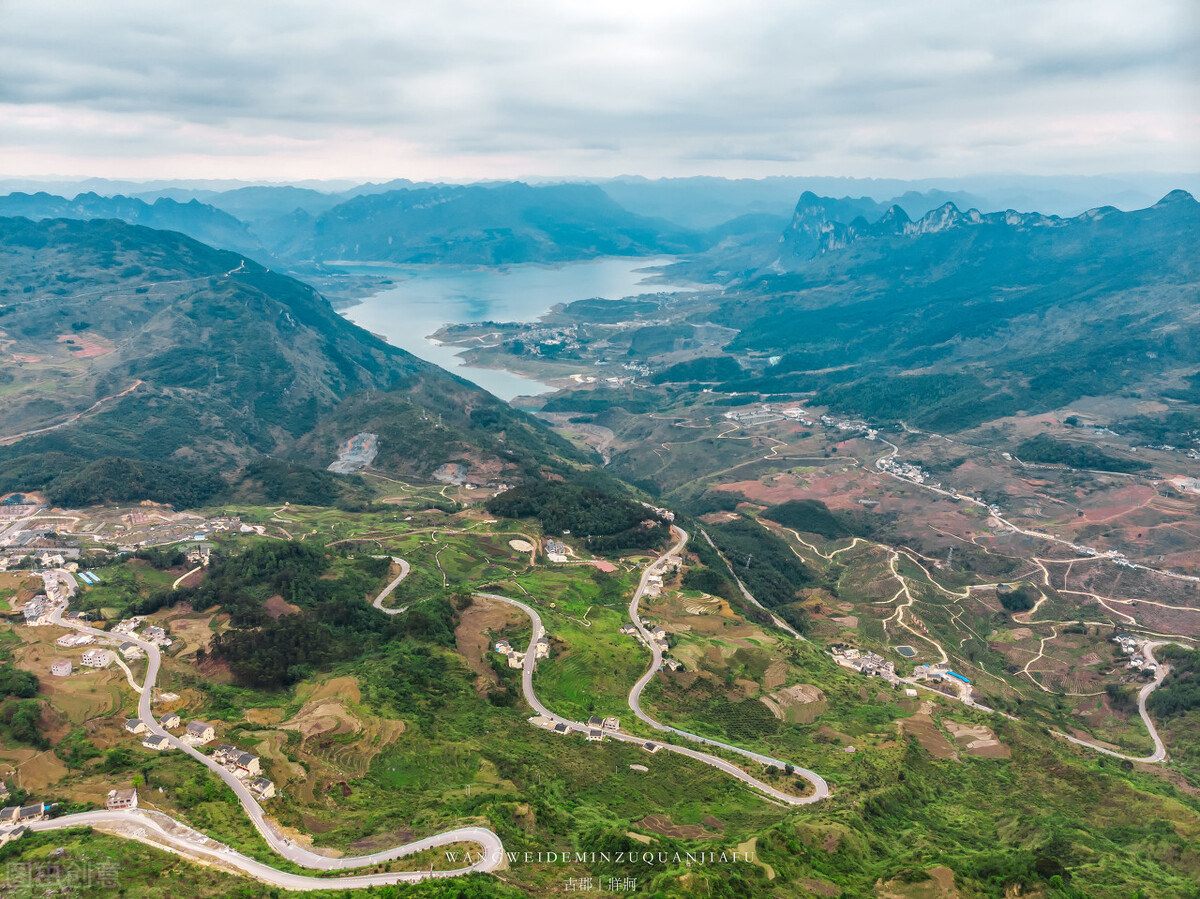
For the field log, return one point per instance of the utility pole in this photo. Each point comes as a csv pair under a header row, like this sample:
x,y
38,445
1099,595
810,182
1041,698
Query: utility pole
x,y
749,556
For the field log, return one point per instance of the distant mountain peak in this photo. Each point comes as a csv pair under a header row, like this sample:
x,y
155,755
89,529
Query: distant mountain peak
x,y
817,226
1175,197
943,218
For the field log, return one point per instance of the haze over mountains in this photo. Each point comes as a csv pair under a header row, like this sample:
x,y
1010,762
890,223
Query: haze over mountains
x,y
506,222
961,317
203,357
202,221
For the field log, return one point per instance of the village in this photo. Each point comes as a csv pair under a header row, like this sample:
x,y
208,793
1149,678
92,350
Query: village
x,y
871,664
34,536
766,413
1135,649
128,640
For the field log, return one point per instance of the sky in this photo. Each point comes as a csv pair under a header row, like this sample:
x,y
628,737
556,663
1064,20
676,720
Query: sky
x,y
458,90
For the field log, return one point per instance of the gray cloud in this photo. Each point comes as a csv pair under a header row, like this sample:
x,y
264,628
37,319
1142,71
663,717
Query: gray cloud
x,y
475,89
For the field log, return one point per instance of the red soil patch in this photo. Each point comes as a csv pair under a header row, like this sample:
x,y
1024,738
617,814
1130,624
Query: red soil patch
x,y
472,640
277,607
87,348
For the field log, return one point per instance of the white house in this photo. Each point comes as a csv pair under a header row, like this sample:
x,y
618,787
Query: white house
x,y
156,743
120,799
247,765
61,668
261,787
198,733
97,658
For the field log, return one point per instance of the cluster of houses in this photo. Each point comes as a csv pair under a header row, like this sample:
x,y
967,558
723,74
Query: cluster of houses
x,y
937,674
58,589
556,551
597,727
905,470
1133,647
153,634
21,815
242,765
38,610
128,626
246,767
97,657
871,664
654,582
516,658
767,413
152,741
759,416
200,554
73,639
659,637
664,514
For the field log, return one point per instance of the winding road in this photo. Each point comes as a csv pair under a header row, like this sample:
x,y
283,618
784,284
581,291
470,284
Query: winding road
x,y
1160,750
163,832
157,829
820,787
491,855
387,591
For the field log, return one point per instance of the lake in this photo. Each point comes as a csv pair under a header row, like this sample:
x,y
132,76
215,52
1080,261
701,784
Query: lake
x,y
426,297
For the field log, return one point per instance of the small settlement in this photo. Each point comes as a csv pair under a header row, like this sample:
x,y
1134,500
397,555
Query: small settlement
x,y
1135,648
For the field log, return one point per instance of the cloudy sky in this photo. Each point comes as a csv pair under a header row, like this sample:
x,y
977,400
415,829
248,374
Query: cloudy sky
x,y
453,89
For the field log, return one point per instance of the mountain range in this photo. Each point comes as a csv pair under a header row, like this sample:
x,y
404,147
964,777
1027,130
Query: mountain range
x,y
402,221
960,317
204,222
483,225
158,349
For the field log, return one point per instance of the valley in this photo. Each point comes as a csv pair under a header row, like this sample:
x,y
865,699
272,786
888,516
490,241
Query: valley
x,y
935,610
746,539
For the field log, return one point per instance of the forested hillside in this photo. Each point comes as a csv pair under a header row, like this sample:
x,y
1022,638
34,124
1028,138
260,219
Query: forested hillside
x,y
124,343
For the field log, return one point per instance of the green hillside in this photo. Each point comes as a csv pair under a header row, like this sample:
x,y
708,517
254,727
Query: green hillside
x,y
177,354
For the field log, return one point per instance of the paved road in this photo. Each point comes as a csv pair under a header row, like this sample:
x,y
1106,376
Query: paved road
x,y
493,849
749,597
1160,750
821,790
404,569
159,830
820,787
